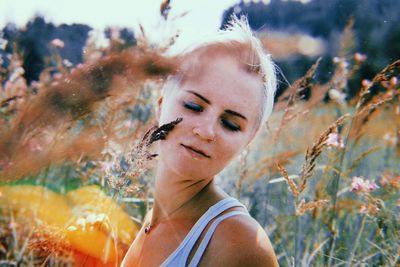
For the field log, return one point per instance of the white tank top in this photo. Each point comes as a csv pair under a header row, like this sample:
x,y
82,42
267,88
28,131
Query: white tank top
x,y
180,256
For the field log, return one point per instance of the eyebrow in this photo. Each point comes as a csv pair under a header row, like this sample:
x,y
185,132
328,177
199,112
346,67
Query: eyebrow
x,y
235,113
229,111
199,96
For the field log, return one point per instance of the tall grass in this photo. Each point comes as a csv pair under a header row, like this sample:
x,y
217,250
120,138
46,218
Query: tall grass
x,y
322,177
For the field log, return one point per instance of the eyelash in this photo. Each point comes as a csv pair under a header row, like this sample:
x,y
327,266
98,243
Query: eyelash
x,y
226,123
193,106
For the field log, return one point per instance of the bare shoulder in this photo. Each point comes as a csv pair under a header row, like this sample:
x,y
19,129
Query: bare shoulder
x,y
241,241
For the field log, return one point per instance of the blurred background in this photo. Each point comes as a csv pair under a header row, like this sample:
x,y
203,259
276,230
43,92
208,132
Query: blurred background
x,y
308,29
77,95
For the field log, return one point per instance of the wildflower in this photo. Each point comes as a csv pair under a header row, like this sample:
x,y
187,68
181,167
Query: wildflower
x,y
358,57
106,166
67,63
343,64
5,164
57,43
356,184
370,186
77,67
390,138
35,84
389,180
13,225
35,146
366,83
370,209
304,206
130,124
114,34
395,182
339,97
334,140
336,59
393,81
359,185
57,76
8,85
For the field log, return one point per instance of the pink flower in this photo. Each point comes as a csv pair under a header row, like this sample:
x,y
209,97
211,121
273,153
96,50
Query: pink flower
x,y
337,59
334,140
12,225
366,83
57,76
370,209
35,146
5,164
8,86
106,166
360,57
361,186
393,81
77,67
35,84
371,186
57,43
357,184
363,209
129,124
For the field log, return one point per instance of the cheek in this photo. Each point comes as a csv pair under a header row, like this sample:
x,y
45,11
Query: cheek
x,y
231,147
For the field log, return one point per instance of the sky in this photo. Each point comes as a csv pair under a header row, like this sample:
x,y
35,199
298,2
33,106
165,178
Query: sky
x,y
203,16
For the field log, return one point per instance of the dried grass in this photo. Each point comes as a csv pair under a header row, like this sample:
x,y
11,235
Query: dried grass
x,y
292,184
304,206
74,97
315,150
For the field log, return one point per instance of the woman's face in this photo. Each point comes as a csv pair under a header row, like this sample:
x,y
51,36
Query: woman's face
x,y
220,108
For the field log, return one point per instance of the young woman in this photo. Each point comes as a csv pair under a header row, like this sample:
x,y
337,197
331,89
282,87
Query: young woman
x,y
223,92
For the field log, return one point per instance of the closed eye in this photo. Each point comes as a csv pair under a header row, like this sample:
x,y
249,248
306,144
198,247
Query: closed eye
x,y
192,106
230,125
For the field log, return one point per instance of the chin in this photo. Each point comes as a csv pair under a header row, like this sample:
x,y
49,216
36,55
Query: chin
x,y
184,166
190,168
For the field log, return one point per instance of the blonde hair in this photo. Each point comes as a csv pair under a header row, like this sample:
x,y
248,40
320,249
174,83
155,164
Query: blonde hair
x,y
237,39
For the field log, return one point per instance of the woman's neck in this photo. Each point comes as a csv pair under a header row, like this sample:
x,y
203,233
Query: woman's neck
x,y
174,194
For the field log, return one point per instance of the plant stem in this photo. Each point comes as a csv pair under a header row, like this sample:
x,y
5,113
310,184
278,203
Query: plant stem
x,y
357,240
332,248
297,261
336,182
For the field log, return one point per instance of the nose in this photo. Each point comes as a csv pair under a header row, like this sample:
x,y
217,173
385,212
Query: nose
x,y
205,131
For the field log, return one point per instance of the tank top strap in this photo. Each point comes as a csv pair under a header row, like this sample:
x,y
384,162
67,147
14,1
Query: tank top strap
x,y
204,243
180,255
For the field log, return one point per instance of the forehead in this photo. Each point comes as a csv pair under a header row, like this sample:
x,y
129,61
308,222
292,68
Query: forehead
x,y
224,81
243,54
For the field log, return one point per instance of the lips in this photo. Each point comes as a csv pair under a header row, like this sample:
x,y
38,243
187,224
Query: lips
x,y
197,151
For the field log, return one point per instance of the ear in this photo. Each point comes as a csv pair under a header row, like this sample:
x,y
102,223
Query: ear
x,y
158,108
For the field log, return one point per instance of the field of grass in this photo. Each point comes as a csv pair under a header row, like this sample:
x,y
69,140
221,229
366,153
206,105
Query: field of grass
x,y
322,177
